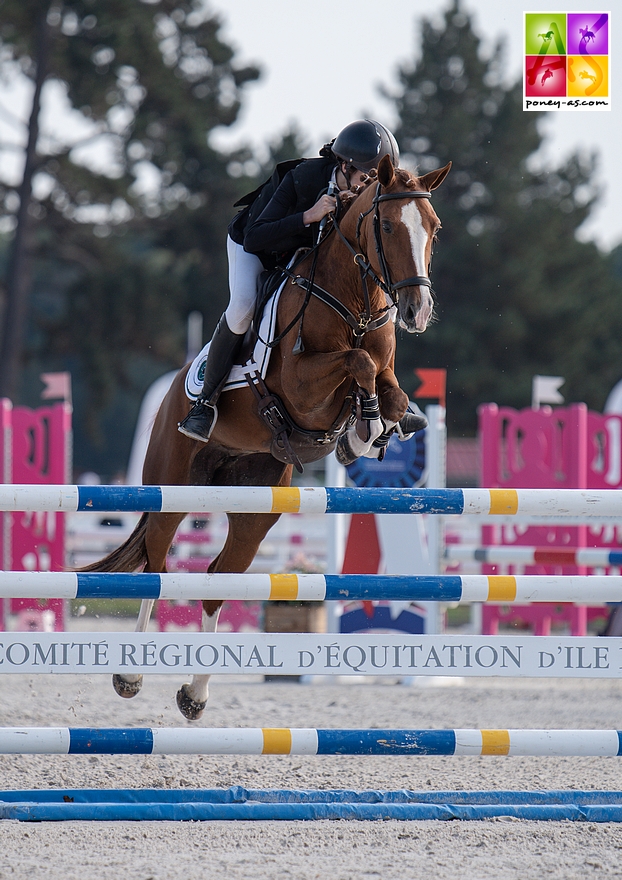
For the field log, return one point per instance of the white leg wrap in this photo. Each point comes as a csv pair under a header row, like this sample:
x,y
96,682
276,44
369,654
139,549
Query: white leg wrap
x,y
361,447
198,689
146,607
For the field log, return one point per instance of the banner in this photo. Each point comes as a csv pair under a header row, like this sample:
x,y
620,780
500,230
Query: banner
x,y
311,654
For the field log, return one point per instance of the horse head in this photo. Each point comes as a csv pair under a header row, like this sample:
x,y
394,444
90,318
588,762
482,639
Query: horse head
x,y
396,236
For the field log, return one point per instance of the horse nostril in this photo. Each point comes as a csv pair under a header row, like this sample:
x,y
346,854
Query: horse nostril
x,y
411,313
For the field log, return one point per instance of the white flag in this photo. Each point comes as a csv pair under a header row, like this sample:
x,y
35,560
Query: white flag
x,y
545,389
57,386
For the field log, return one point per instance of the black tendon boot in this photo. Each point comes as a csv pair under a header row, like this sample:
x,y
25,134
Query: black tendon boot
x,y
224,347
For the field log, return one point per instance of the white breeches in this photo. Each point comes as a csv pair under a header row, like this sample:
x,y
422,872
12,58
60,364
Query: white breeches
x,y
244,270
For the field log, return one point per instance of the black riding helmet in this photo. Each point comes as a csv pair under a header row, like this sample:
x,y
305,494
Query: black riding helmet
x,y
363,143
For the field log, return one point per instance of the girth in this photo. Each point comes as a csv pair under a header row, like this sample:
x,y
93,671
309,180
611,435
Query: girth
x,y
311,444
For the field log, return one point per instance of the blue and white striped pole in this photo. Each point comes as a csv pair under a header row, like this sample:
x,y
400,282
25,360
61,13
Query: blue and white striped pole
x,y
308,741
591,503
515,554
312,587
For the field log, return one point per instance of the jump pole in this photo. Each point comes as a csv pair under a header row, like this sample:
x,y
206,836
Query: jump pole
x,y
590,503
313,587
237,803
515,554
308,741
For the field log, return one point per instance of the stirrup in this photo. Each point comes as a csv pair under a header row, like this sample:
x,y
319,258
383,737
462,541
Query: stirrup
x,y
200,421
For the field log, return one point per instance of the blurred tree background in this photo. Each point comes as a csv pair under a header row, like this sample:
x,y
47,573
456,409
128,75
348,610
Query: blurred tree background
x,y
115,234
518,294
113,228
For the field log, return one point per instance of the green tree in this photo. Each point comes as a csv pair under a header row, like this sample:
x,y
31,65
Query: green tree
x,y
518,294
153,79
105,257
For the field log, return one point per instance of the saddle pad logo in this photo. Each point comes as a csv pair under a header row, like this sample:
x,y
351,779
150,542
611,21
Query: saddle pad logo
x,y
566,61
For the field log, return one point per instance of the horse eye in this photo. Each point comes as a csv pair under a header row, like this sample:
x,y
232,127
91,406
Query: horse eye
x,y
387,226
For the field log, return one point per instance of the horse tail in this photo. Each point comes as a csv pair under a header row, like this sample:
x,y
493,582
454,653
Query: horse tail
x,y
132,554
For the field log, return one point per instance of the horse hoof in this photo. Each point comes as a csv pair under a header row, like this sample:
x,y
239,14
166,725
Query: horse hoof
x,y
189,708
343,451
126,689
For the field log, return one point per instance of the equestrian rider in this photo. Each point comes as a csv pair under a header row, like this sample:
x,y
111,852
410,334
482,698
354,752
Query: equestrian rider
x,y
269,231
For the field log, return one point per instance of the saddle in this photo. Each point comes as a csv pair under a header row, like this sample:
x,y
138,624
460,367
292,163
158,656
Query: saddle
x,y
268,284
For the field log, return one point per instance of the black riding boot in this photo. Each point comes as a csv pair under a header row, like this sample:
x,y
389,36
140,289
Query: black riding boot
x,y
224,347
410,423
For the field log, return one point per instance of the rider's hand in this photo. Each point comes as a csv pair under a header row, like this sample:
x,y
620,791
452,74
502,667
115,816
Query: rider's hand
x,y
324,205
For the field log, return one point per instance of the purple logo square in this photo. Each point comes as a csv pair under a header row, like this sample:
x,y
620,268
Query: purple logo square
x,y
588,33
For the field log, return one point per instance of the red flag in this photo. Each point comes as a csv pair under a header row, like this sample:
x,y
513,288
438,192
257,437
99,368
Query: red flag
x,y
363,552
433,384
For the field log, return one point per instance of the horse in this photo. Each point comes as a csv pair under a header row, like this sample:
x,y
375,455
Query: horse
x,y
330,379
586,35
585,75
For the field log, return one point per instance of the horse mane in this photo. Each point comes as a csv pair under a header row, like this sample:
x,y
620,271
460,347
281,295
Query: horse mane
x,y
405,178
346,201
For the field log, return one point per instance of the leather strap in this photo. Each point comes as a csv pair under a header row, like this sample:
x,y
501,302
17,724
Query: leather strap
x,y
361,325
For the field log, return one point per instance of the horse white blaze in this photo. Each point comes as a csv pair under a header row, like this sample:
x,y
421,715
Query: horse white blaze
x,y
198,689
412,220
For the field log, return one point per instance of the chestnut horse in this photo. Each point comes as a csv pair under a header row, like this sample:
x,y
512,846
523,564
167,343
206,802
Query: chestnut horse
x,y
334,359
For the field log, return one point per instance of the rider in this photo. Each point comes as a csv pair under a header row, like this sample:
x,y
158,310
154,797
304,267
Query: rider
x,y
288,221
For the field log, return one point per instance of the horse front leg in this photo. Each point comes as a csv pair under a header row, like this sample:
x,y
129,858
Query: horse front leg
x,y
324,374
246,532
311,379
392,400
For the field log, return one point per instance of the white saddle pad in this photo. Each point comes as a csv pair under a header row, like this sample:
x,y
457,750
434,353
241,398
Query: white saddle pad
x,y
258,362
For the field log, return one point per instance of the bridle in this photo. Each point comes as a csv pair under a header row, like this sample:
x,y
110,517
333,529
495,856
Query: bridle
x,y
365,321
366,270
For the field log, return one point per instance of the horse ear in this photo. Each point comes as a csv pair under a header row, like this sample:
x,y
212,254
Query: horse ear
x,y
433,179
386,172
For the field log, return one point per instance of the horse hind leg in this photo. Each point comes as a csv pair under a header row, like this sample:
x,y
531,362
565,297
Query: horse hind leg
x,y
161,529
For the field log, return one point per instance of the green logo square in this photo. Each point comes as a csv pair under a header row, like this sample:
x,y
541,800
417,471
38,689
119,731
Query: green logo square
x,y
545,33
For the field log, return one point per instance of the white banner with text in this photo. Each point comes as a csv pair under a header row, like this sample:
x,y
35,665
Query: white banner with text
x,y
311,654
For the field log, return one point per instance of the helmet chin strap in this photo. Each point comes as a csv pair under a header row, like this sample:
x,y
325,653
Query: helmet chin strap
x,y
346,170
